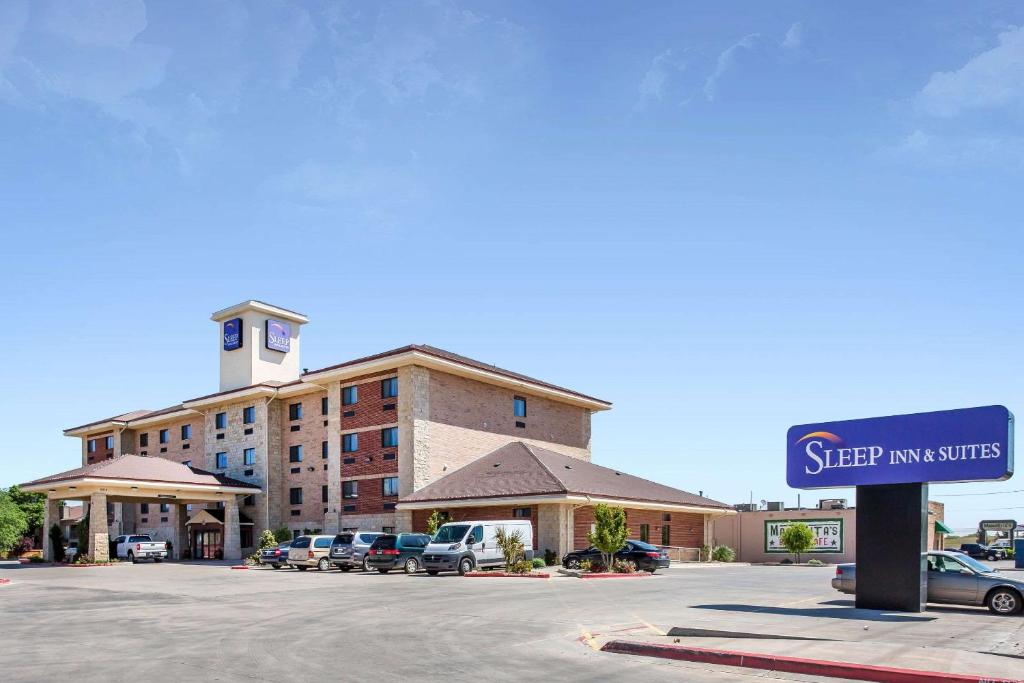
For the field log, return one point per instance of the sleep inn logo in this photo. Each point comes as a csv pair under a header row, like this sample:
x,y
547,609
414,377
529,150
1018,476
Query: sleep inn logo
x,y
232,334
279,335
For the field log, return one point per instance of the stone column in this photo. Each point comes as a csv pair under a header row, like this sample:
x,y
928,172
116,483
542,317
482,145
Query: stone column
x,y
51,516
332,520
403,522
413,443
232,536
99,538
180,539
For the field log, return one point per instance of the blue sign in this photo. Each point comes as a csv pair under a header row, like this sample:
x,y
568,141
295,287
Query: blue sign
x,y
278,335
972,444
232,334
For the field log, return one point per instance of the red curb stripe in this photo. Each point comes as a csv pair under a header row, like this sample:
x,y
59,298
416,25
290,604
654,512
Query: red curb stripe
x,y
4,582
506,575
240,566
795,665
616,576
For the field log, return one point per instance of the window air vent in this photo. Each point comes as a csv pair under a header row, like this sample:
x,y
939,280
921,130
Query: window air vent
x,y
389,456
163,450
520,425
248,431
296,470
349,413
389,406
325,423
248,473
296,428
220,437
186,446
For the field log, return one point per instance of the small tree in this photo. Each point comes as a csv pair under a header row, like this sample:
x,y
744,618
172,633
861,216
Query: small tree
x,y
32,504
436,519
283,534
510,543
82,528
268,539
610,532
13,522
797,538
57,542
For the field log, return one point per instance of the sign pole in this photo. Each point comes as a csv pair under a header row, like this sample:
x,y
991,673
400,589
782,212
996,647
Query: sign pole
x,y
892,535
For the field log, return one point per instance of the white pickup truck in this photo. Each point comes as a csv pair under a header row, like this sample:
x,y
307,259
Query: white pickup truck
x,y
140,547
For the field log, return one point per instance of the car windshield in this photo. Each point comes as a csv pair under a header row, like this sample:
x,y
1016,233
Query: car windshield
x,y
450,533
974,564
301,542
343,538
138,539
640,545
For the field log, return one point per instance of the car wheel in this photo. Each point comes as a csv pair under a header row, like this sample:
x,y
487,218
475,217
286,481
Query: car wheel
x,y
276,566
344,567
383,570
1004,601
366,564
432,572
991,558
301,569
323,565
131,558
465,566
653,569
412,566
158,560
573,563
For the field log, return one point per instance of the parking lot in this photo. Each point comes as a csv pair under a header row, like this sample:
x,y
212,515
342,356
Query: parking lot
x,y
209,622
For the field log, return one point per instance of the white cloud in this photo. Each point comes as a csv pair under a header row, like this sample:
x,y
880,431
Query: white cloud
x,y
994,78
726,62
920,147
103,23
656,79
794,37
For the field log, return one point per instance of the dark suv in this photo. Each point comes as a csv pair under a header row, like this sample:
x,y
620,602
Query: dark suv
x,y
983,552
397,550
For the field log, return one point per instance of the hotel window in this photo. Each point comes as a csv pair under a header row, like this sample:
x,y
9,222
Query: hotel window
x,y
521,512
249,456
248,415
165,507
92,445
295,411
222,461
389,437
324,406
323,449
220,421
666,517
519,406
323,493
249,500
109,442
349,443
389,388
666,535
388,529
144,440
144,508
295,454
645,533
164,435
349,396
295,496
350,489
389,486
186,432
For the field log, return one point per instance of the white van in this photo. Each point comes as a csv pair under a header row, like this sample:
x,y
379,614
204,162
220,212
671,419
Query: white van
x,y
465,546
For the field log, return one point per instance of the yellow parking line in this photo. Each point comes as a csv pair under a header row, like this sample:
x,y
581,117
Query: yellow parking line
x,y
650,626
589,639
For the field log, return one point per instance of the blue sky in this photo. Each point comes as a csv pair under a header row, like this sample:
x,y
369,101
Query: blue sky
x,y
726,218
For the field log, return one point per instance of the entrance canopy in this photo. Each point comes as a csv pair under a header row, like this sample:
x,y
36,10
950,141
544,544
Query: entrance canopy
x,y
135,479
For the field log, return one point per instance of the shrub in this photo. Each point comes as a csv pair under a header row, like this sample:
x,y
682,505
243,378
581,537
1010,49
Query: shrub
x,y
436,519
268,539
23,545
538,563
82,529
610,531
36,560
282,535
521,567
597,567
585,565
705,553
797,538
57,543
624,567
550,558
814,562
510,544
723,553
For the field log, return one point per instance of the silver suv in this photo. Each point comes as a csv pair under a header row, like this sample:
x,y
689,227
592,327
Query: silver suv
x,y
349,548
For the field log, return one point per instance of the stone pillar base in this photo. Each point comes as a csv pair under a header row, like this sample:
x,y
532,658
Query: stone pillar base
x,y
99,538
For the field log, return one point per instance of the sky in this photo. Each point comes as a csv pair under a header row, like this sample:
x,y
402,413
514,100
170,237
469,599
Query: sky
x,y
726,218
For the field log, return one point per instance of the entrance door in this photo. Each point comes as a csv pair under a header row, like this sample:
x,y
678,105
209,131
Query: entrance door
x,y
207,545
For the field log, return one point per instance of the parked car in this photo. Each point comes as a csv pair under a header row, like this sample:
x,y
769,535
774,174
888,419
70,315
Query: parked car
x,y
1001,544
985,552
646,557
137,547
955,578
349,548
276,556
464,546
390,551
310,551
70,551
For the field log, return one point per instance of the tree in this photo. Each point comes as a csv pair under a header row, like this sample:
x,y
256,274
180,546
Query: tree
x,y
12,522
510,544
82,528
436,519
267,540
797,538
283,534
610,532
57,542
32,504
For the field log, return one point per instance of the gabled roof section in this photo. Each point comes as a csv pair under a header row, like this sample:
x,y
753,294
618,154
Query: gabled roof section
x,y
139,468
520,469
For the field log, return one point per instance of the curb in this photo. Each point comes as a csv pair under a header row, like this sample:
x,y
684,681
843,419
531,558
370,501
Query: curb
x,y
506,575
4,582
796,665
578,574
111,564
240,566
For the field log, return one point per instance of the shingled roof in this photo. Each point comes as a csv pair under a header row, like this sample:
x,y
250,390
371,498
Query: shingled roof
x,y
139,468
520,469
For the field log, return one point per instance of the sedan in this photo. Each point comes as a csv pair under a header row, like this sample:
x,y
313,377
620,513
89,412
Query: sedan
x,y
645,556
276,556
956,579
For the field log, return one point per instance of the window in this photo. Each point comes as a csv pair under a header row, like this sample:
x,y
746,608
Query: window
x,y
389,486
323,449
295,453
164,436
388,529
144,440
144,508
249,456
109,443
520,512
220,421
350,489
91,447
295,411
349,396
666,517
295,496
349,443
249,500
165,507
187,463
324,405
323,493
248,415
186,432
222,461
666,535
519,406
389,437
645,533
389,388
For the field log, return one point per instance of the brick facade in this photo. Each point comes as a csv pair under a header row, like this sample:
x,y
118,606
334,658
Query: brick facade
x,y
483,513
686,530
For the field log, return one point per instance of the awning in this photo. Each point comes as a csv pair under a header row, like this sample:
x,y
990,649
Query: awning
x,y
941,528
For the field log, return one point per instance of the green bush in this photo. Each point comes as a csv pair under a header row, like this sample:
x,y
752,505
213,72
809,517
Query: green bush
x,y
723,553
705,553
550,558
521,567
814,562
282,535
585,565
57,543
511,545
538,563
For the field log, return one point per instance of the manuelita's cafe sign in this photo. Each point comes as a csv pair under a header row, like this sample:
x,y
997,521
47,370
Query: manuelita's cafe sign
x,y
828,535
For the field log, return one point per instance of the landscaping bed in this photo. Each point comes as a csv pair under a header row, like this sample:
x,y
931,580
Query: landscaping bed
x,y
581,574
510,575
